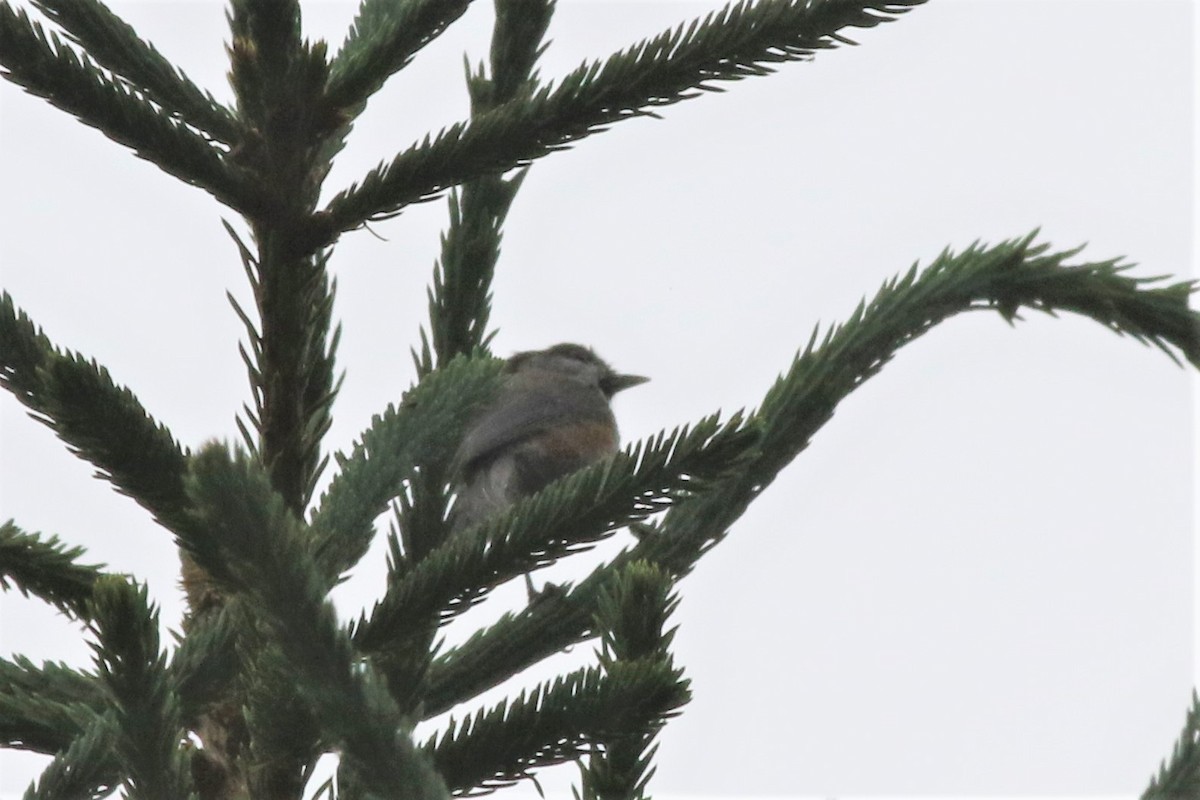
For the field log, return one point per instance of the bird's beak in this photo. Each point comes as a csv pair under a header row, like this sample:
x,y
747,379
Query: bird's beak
x,y
612,384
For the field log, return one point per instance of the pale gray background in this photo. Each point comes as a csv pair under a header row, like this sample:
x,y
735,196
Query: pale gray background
x,y
978,580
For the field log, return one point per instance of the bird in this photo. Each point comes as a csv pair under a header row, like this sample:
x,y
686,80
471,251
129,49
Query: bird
x,y
551,417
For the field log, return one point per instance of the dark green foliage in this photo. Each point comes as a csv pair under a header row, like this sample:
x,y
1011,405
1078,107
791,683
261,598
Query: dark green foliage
x,y
281,724
632,617
279,80
263,673
133,669
97,419
44,708
46,569
400,440
555,722
114,45
265,55
1003,277
105,424
460,299
85,769
420,526
611,713
293,391
383,39
1180,777
246,538
204,661
46,67
555,523
23,350
673,66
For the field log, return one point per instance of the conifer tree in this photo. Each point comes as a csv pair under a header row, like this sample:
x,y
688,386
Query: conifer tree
x,y
263,678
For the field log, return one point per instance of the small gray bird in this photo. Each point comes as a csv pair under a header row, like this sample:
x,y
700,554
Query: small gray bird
x,y
551,417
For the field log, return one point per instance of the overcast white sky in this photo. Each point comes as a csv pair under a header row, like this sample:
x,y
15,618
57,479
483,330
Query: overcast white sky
x,y
979,578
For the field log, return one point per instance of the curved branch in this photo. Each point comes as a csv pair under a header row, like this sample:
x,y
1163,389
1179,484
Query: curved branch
x,y
1003,278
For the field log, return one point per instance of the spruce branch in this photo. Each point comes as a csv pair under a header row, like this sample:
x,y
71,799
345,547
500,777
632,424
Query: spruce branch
x,y
24,349
98,420
420,521
555,722
86,769
514,642
420,526
134,670
116,46
47,569
264,737
293,346
1002,277
459,307
239,696
517,641
205,661
44,66
737,42
245,536
518,41
382,40
423,430
460,298
632,615
564,518
321,387
291,369
1180,777
43,709
278,80
263,53
106,425
282,726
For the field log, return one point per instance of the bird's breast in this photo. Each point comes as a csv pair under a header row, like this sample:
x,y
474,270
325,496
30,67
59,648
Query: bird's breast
x,y
582,442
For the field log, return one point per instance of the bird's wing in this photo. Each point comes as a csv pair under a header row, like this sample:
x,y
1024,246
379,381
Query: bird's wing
x,y
521,412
